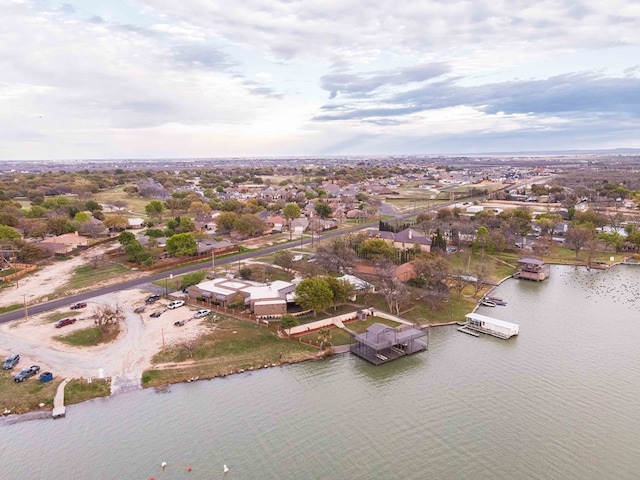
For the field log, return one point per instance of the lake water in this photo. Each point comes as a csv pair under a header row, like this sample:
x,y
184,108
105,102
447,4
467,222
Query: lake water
x,y
560,401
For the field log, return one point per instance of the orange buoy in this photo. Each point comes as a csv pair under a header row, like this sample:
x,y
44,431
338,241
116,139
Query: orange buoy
x,y
188,469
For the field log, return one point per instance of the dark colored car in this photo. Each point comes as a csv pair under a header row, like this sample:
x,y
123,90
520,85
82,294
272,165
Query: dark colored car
x,y
23,375
78,305
152,298
155,314
179,323
65,321
11,361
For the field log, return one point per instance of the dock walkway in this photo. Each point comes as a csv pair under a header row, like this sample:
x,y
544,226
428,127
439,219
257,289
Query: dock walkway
x,y
59,410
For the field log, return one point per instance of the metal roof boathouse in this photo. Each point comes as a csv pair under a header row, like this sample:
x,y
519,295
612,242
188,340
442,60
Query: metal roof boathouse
x,y
382,343
491,326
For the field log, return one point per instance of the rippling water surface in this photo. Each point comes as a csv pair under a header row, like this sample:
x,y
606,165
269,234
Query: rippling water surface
x,y
558,401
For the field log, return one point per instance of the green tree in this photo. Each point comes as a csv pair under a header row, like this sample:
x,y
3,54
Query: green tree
x,y
376,248
291,211
193,278
250,225
59,225
126,238
323,209
226,221
342,290
155,208
314,294
8,233
181,245
81,217
288,321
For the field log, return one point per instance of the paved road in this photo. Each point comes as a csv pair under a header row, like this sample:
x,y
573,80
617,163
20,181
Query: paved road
x,y
140,282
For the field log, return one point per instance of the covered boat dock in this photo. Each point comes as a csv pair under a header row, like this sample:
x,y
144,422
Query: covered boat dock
x,y
382,343
491,326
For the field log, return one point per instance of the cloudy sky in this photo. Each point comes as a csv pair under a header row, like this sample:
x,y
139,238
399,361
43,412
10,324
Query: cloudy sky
x,y
214,78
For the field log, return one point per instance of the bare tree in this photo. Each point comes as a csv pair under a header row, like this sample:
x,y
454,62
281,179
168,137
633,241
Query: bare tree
x,y
393,290
483,271
105,316
578,236
459,279
189,347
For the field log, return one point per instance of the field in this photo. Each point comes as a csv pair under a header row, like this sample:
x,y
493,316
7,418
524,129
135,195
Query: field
x,y
25,396
230,346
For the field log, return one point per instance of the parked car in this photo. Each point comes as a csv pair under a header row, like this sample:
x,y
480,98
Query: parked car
x,y
24,374
65,321
11,361
78,305
179,323
152,298
202,313
34,369
156,314
175,304
139,309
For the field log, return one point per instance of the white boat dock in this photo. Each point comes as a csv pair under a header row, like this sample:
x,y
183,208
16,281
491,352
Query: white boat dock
x,y
491,326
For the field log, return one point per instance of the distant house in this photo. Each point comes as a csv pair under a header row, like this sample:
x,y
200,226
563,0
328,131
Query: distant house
x,y
135,223
209,245
299,225
409,238
64,244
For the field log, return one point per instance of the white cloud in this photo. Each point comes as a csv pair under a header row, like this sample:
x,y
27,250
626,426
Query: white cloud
x,y
121,78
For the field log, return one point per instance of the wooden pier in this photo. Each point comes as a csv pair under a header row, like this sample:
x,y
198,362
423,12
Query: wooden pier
x,y
464,329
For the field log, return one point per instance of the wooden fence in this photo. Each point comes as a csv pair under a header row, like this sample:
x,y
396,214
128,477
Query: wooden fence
x,y
23,269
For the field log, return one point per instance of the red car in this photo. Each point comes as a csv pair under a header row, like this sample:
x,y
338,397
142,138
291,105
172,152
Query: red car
x,y
77,305
65,321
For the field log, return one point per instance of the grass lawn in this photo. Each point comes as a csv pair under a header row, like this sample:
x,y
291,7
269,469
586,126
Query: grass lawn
x,y
90,337
11,308
25,396
360,326
135,204
337,336
78,391
87,275
231,346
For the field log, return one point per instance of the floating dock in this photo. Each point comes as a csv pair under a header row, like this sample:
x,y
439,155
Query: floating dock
x,y
464,329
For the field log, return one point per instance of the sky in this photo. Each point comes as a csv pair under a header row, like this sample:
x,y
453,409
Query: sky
x,y
244,78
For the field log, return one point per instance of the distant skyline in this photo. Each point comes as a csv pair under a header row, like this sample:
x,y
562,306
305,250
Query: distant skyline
x,y
207,78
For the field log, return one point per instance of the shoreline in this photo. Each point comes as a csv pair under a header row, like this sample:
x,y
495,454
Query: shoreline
x,y
12,418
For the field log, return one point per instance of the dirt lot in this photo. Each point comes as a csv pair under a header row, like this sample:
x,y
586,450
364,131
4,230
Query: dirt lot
x,y
140,338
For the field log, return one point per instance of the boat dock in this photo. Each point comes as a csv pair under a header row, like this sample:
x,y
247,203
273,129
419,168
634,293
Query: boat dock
x,y
59,410
464,329
491,326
